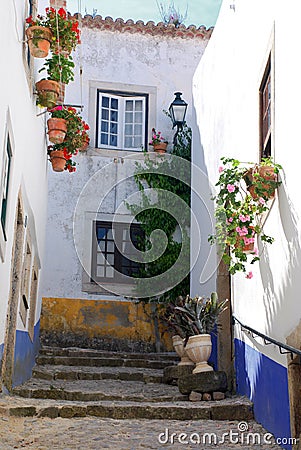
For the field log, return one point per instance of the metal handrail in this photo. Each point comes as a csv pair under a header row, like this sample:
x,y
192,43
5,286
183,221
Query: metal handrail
x,y
268,340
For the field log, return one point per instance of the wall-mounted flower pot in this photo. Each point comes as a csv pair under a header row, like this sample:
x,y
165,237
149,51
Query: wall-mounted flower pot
x,y
57,129
58,160
48,93
39,39
85,144
161,147
266,190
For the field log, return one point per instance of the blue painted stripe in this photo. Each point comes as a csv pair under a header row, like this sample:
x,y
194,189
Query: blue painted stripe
x,y
265,382
25,354
1,351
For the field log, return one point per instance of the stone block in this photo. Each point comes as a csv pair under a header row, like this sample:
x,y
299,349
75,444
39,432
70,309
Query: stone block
x,y
203,382
172,373
51,411
195,396
218,395
207,397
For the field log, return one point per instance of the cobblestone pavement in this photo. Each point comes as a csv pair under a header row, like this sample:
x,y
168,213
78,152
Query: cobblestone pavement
x,y
92,433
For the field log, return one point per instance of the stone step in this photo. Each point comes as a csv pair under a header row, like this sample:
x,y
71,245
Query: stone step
x,y
236,408
95,390
96,361
48,372
81,352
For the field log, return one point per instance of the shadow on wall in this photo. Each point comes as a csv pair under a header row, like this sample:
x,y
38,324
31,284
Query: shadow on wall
x,y
258,376
203,255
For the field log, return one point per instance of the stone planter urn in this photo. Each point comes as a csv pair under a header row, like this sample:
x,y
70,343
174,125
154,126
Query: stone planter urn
x,y
198,349
178,344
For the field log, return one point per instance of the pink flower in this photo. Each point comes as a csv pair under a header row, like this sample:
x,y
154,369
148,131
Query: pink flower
x,y
231,188
244,218
220,169
249,275
261,200
230,219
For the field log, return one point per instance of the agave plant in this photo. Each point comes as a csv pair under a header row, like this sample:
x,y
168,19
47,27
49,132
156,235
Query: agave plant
x,y
199,315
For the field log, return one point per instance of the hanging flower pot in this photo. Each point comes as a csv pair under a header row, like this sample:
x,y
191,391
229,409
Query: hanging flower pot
x,y
48,93
58,160
256,178
57,129
85,144
161,147
39,39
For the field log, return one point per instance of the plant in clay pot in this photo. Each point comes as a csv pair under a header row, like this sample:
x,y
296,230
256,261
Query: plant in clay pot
x,y
66,34
158,141
199,316
39,36
76,134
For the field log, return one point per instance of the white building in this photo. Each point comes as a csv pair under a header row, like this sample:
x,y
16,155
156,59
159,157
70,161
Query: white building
x,y
23,199
256,43
128,65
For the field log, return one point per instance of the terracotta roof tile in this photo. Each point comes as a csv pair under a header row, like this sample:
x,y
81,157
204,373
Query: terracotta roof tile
x,y
107,23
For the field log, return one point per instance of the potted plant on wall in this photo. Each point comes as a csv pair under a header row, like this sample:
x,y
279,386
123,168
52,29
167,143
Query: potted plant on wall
x,y
59,70
74,138
56,31
158,142
239,213
65,31
39,36
198,317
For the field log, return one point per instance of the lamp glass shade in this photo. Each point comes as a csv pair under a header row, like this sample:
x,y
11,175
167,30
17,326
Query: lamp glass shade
x,y
177,110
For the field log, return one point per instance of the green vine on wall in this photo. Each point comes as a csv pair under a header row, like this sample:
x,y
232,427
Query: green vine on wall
x,y
152,217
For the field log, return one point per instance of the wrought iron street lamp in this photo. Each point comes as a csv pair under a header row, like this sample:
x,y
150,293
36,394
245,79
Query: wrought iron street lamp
x,y
177,111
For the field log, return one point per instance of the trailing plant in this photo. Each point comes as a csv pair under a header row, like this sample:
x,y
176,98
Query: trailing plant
x,y
153,217
59,68
244,196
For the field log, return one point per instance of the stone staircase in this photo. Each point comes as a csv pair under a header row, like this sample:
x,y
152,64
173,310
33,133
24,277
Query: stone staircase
x,y
74,382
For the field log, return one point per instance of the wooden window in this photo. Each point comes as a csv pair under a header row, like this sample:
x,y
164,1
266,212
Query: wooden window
x,y
265,113
4,184
121,120
113,251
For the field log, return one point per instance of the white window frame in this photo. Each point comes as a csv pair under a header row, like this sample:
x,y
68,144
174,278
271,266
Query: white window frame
x,y
120,88
121,121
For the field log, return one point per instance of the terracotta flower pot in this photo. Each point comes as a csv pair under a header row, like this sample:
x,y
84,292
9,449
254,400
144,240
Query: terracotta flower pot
x,y
178,344
161,147
198,349
39,39
84,145
58,160
48,93
57,129
266,172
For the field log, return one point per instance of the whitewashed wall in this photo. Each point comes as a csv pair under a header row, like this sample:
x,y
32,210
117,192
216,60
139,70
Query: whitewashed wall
x,y
18,114
226,87
159,63
226,96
